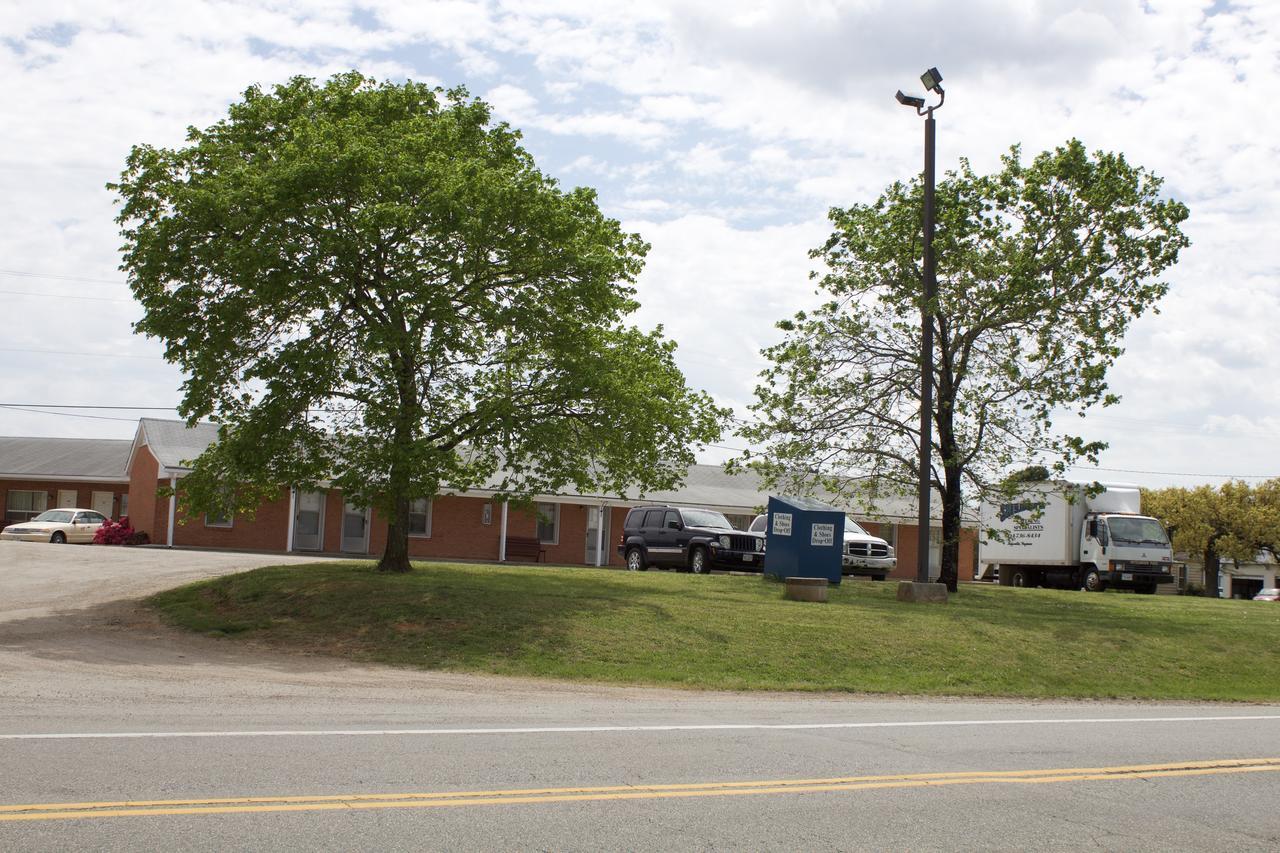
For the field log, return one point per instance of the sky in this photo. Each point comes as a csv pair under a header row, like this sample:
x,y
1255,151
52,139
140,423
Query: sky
x,y
722,133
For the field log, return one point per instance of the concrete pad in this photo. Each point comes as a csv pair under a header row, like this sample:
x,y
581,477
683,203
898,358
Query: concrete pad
x,y
923,593
806,589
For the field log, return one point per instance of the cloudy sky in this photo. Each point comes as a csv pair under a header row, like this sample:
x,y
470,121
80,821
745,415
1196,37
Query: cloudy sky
x,y
723,137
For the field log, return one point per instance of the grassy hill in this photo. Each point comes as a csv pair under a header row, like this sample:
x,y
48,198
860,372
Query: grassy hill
x,y
736,633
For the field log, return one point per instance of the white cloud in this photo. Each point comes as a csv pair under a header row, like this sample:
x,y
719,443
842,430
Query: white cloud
x,y
722,137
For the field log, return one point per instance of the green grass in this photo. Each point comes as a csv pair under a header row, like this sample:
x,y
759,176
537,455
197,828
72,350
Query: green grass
x,y
736,633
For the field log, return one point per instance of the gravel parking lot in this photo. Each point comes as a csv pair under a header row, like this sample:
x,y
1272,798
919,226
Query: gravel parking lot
x,y
37,579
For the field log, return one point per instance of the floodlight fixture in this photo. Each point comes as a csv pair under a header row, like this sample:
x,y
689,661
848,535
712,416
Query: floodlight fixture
x,y
931,80
910,101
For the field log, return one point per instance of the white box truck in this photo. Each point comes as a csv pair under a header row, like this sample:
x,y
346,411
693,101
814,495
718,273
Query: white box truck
x,y
1075,536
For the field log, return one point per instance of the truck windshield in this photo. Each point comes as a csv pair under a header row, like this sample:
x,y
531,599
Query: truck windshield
x,y
851,526
1137,531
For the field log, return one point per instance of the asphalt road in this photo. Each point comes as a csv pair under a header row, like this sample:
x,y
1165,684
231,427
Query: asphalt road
x,y
118,733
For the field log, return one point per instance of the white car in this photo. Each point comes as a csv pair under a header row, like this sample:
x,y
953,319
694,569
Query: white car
x,y
863,554
57,526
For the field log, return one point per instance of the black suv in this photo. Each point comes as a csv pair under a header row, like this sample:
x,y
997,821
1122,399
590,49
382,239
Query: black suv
x,y
694,540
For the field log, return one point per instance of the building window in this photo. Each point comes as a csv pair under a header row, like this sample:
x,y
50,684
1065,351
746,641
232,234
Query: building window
x,y
25,505
486,515
217,520
124,504
549,524
420,517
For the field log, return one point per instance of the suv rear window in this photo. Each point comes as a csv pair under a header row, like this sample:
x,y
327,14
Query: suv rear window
x,y
634,518
653,518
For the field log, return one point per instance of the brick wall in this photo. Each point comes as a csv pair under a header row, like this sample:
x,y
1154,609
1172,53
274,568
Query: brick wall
x,y
143,506
51,488
267,530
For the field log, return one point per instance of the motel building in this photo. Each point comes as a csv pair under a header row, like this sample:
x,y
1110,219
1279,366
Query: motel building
x,y
567,529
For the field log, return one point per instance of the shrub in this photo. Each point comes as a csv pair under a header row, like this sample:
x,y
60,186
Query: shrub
x,y
115,533
139,538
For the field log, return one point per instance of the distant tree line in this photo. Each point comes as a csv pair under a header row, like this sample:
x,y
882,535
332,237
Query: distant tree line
x,y
1235,521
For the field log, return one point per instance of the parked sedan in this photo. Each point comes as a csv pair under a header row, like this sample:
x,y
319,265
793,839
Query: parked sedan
x,y
57,526
1268,595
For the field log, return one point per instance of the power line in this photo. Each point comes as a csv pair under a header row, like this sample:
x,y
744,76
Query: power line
x,y
68,406
69,414
92,354
26,274
62,296
1174,473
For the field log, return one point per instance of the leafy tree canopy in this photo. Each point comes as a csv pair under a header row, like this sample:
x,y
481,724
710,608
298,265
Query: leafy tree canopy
x,y
1041,268
373,284
1235,521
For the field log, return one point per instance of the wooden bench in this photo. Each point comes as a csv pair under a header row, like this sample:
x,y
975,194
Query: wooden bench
x,y
526,548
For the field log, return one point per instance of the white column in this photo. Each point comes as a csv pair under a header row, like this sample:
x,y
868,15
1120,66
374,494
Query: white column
x,y
600,536
502,534
173,506
293,497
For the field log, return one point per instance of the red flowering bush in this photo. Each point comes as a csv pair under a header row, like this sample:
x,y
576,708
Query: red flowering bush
x,y
115,533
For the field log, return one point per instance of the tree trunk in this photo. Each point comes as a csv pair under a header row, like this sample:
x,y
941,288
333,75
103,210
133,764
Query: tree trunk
x,y
1211,563
951,529
395,557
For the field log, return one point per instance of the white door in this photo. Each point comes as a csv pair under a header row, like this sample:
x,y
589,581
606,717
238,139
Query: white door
x,y
593,535
308,522
67,498
355,529
102,502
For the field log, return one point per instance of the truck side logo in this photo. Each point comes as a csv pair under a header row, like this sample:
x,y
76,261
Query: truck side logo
x,y
1008,511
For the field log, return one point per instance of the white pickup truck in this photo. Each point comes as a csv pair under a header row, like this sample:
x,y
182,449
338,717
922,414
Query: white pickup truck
x,y
863,554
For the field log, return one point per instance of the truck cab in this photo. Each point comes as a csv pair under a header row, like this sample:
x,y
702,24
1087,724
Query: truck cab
x,y
1124,551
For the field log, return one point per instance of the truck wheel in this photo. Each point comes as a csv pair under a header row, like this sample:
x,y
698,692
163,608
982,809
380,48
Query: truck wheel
x,y
1093,581
877,577
635,560
1020,577
1148,589
698,562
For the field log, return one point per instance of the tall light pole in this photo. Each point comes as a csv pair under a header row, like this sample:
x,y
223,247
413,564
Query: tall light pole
x,y
932,81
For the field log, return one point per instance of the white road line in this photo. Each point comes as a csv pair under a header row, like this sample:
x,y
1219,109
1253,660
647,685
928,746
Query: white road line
x,y
722,727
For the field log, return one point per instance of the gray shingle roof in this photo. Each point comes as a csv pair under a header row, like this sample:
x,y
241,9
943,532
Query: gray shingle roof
x,y
173,443
78,458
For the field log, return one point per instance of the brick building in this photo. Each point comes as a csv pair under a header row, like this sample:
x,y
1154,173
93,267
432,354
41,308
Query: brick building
x,y
564,528
50,473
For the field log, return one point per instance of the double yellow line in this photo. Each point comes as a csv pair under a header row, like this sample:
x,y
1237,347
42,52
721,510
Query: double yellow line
x,y
444,799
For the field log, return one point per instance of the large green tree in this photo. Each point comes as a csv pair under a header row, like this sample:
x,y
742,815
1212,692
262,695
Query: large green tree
x,y
1234,521
1041,268
372,284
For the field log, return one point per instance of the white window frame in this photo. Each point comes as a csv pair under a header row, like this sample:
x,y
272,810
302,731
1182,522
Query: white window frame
x,y
555,522
31,513
222,524
124,504
430,504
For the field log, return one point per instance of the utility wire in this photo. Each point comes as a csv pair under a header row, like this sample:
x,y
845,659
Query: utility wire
x,y
26,274
62,296
69,414
91,354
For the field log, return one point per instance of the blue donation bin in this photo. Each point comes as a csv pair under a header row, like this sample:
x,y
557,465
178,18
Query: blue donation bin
x,y
804,539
